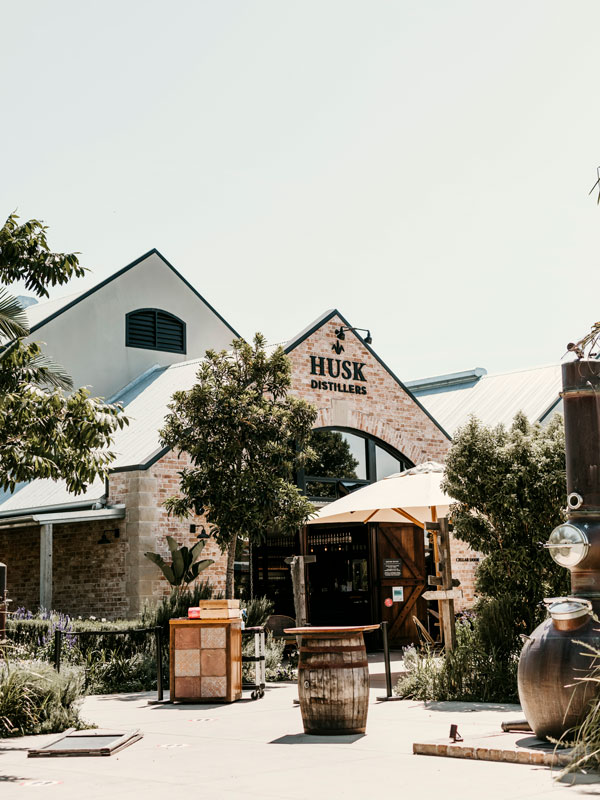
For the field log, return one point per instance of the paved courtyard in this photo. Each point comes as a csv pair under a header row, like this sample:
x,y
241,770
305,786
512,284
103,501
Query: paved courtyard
x,y
257,749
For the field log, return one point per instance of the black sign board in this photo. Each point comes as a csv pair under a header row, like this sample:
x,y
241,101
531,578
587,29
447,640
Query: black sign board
x,y
392,568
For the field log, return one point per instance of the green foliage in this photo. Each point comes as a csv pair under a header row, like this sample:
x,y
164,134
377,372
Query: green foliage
x,y
114,671
245,436
475,671
25,256
44,434
35,699
585,738
276,666
258,611
13,319
175,605
510,488
183,569
332,456
35,636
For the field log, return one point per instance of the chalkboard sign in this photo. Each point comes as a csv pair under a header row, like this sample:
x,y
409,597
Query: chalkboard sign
x,y
392,568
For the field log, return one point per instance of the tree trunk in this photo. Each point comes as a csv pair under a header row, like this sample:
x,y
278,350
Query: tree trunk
x,y
230,575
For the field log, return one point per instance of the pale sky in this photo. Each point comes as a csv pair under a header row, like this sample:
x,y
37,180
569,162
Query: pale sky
x,y
423,166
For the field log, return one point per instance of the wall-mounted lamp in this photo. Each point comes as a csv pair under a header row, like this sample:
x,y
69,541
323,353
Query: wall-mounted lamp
x,y
105,534
340,333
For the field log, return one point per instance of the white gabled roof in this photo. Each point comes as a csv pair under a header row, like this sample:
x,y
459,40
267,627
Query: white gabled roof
x,y
497,398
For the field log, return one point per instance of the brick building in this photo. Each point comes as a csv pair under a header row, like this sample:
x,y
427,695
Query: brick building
x,y
150,328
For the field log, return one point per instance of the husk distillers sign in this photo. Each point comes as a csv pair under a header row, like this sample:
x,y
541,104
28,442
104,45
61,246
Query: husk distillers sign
x,y
338,375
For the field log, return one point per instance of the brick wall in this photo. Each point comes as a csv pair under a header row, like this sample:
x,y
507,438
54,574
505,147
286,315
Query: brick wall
x,y
147,525
88,578
464,564
385,411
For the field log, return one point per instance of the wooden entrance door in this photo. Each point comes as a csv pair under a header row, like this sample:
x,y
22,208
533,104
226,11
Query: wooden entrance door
x,y
399,561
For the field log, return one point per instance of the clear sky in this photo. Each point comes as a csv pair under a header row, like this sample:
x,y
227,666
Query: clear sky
x,y
423,166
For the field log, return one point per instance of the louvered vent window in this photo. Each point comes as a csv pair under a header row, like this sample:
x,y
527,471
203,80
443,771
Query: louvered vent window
x,y
153,329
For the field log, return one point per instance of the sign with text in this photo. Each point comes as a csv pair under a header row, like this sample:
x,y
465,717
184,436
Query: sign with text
x,y
341,372
392,568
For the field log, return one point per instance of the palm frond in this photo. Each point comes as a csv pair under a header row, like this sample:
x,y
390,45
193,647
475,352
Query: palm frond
x,y
13,319
46,372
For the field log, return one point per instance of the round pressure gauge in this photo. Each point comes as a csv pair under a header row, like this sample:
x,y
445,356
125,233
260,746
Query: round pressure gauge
x,y
568,545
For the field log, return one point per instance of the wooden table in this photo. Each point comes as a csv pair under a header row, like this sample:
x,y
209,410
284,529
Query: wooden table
x,y
333,678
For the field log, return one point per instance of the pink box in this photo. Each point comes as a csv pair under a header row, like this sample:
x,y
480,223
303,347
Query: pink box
x,y
193,613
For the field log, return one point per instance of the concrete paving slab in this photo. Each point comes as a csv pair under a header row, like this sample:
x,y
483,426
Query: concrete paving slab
x,y
257,749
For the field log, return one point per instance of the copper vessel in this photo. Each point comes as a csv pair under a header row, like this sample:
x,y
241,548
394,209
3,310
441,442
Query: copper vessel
x,y
560,652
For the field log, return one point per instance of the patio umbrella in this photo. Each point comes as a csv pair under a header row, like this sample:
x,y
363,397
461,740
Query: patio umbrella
x,y
410,496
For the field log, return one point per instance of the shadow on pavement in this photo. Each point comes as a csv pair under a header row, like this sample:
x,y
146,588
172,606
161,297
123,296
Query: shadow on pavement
x,y
457,705
303,738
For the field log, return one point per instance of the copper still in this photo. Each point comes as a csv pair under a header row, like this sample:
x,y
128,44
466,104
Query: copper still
x,y
552,662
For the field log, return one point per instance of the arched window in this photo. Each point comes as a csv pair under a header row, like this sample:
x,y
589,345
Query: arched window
x,y
153,329
347,459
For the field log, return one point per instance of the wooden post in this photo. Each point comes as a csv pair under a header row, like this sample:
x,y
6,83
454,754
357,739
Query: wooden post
x,y
299,584
446,563
437,564
445,583
46,566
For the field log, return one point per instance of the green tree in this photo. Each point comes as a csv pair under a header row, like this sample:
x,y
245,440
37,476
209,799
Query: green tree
x,y
245,437
333,456
43,433
510,490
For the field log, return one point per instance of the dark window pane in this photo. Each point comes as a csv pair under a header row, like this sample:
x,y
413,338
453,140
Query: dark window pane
x,y
338,455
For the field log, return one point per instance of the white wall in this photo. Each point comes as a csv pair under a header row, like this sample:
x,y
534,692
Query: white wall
x,y
89,338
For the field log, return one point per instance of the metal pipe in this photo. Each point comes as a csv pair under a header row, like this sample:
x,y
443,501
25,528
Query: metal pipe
x,y
57,647
2,602
386,658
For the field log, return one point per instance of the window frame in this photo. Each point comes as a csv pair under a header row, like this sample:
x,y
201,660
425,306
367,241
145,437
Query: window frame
x,y
371,443
155,347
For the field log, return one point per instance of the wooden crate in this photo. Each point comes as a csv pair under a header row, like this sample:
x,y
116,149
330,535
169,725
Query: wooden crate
x,y
206,660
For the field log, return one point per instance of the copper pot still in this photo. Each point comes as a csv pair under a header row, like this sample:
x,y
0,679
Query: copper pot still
x,y
559,653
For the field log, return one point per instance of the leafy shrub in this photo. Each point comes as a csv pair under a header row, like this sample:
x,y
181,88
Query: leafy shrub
x,y
477,670
34,698
276,667
175,605
109,672
35,633
258,611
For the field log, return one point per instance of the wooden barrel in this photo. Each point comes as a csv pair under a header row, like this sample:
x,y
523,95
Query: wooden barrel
x,y
333,680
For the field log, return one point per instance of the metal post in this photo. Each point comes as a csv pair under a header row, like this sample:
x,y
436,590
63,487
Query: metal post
x,y
57,647
159,675
2,602
386,658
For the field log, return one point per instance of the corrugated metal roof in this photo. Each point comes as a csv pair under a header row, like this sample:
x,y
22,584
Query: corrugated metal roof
x,y
145,402
497,398
40,311
45,493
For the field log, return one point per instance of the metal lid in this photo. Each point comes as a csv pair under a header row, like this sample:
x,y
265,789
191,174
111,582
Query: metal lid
x,y
569,608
